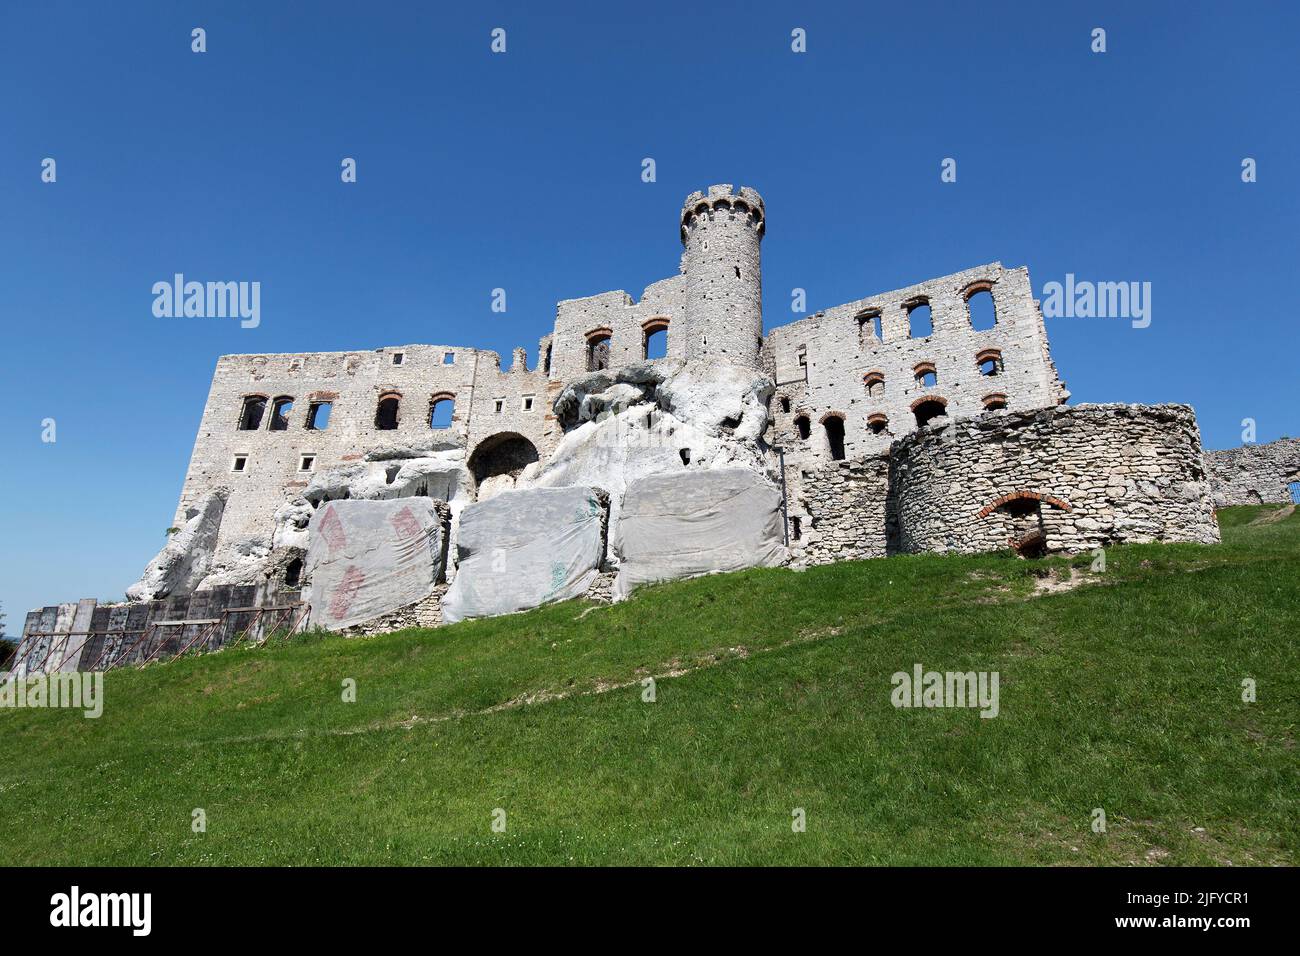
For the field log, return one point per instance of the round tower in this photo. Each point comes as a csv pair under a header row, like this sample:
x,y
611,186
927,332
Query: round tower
x,y
721,233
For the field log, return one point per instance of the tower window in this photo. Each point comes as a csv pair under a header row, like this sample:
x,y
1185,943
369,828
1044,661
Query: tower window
x,y
869,327
499,405
989,362
878,424
306,462
293,573
448,358
803,426
926,377
240,463
528,403
398,358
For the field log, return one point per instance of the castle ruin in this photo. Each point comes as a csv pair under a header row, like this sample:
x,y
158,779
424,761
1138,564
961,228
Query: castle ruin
x,y
902,422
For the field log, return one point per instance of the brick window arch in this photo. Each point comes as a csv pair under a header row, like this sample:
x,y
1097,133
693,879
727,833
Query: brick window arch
x,y
654,337
280,409
387,413
981,308
1009,501
878,423
989,362
926,374
874,381
994,401
599,342
929,407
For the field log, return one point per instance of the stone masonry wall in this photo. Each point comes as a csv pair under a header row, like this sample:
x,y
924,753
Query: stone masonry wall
x,y
845,512
1088,475
1254,474
820,362
354,382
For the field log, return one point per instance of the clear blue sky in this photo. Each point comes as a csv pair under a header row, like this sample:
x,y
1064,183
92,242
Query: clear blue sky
x,y
523,171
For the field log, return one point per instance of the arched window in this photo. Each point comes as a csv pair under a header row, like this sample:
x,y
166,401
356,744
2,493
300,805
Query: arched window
x,y
250,416
926,376
875,383
441,408
928,408
834,425
386,414
878,424
280,410
598,346
785,403
293,573
980,308
920,320
655,338
803,426
546,360
994,401
989,362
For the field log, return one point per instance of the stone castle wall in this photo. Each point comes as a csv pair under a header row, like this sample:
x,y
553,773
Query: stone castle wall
x,y
1254,474
1083,476
487,402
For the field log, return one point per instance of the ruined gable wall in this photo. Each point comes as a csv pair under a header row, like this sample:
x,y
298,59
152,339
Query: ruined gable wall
x,y
354,382
1254,474
617,311
840,351
1127,472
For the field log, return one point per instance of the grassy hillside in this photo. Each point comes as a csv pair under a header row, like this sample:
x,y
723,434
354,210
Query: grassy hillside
x,y
773,693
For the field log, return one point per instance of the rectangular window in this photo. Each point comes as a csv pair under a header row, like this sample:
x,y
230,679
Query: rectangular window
x,y
528,403
398,358
318,416
240,463
448,358
307,463
500,405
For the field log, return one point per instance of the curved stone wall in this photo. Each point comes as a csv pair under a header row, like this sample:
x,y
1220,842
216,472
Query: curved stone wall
x,y
1058,479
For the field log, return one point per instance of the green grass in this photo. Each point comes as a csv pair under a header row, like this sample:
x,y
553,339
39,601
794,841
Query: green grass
x,y
1123,693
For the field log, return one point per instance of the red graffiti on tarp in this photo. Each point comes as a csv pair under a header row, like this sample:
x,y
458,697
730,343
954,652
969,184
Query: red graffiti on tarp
x,y
331,529
405,523
346,592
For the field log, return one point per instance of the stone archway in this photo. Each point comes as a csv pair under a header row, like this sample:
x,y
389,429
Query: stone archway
x,y
501,456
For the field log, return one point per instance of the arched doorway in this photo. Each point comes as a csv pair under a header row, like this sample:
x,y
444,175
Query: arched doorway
x,y
505,453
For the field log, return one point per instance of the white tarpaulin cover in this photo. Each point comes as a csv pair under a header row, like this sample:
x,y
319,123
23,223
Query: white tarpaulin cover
x,y
686,523
367,558
523,548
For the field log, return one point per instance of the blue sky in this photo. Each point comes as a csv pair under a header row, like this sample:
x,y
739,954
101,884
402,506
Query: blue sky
x,y
522,171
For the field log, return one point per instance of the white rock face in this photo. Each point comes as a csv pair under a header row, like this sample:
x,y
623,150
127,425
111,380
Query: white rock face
x,y
657,418
187,557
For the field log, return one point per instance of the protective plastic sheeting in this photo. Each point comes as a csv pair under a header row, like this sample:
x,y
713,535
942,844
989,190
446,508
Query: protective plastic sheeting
x,y
523,548
367,558
682,524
